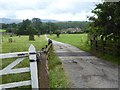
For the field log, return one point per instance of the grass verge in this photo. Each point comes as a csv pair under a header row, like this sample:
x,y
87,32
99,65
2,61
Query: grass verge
x,y
107,57
57,78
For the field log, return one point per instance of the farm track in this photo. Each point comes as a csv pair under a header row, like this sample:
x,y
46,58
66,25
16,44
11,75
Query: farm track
x,y
85,70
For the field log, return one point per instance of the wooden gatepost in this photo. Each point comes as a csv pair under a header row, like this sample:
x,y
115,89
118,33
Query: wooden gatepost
x,y
43,67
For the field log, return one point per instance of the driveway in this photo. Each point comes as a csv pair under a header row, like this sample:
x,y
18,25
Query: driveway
x,y
85,70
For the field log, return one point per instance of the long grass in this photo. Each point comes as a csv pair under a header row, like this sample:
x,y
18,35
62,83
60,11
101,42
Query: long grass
x,y
57,78
110,58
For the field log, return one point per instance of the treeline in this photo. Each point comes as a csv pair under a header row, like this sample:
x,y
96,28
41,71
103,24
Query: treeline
x,y
83,25
36,26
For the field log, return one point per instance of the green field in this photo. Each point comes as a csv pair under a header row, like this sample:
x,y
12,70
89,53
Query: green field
x,y
2,30
78,40
19,44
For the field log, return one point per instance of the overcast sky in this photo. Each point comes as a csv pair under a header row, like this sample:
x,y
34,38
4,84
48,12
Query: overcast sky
x,y
67,10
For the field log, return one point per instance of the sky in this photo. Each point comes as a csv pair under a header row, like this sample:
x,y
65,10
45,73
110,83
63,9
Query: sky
x,y
62,10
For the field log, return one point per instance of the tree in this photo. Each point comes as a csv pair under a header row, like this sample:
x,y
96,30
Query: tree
x,y
37,24
31,32
4,26
26,28
58,33
107,20
51,27
10,28
23,27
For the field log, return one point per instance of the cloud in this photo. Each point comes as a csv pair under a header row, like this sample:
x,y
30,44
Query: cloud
x,y
23,4
47,9
71,10
75,7
45,15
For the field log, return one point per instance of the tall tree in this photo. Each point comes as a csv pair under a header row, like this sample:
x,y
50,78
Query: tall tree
x,y
23,27
26,28
31,32
51,27
11,28
37,24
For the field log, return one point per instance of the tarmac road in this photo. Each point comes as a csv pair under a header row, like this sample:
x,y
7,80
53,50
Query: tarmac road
x,y
85,70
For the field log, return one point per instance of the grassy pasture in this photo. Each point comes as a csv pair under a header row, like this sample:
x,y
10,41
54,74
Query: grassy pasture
x,y
2,30
19,44
78,40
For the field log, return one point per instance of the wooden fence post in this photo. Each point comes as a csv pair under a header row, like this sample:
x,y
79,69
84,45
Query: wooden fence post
x,y
33,67
103,42
96,45
91,44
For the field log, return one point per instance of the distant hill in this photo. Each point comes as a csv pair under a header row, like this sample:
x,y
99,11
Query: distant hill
x,y
49,20
8,21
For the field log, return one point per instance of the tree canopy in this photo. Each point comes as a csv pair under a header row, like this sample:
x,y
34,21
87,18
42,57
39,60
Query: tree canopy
x,y
106,21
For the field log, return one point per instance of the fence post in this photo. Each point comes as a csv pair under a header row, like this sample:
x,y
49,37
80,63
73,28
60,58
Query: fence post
x,y
103,42
96,45
33,67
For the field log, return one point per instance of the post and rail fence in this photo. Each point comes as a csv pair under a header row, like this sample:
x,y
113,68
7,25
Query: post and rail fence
x,y
38,68
105,46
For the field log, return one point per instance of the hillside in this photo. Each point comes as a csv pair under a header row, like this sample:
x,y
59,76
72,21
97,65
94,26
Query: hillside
x,y
8,20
